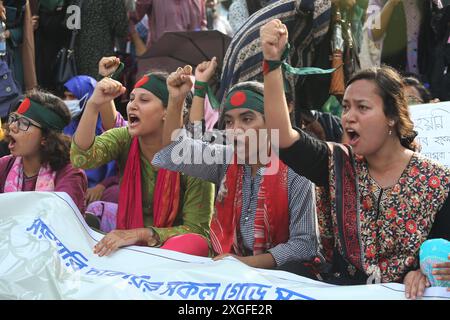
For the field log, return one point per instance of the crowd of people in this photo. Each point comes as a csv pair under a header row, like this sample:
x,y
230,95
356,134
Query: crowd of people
x,y
332,187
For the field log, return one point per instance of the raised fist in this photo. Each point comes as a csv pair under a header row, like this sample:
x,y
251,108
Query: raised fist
x,y
274,37
105,91
205,70
179,83
108,65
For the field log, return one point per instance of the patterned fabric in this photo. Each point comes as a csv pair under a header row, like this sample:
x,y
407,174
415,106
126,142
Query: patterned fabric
x,y
271,218
102,21
197,197
413,21
302,243
238,14
14,180
106,212
243,60
393,222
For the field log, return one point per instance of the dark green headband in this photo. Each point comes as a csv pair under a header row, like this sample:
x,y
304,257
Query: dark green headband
x,y
244,98
156,86
42,115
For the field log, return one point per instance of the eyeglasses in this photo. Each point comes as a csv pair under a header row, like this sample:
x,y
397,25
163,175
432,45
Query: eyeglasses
x,y
22,123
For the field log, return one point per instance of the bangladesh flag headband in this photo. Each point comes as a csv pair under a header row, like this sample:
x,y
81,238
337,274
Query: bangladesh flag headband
x,y
42,115
156,86
244,98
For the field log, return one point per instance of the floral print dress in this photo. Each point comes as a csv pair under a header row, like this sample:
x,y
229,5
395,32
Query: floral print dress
x,y
391,223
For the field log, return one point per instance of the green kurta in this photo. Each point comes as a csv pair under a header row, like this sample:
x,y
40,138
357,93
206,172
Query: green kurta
x,y
196,206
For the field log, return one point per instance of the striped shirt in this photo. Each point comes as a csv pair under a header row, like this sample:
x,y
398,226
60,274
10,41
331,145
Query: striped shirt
x,y
186,154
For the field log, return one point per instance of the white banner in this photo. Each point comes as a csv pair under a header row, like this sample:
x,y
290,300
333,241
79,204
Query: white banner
x,y
432,122
46,252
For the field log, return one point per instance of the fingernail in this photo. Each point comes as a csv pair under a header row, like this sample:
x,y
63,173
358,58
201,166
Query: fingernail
x,y
407,295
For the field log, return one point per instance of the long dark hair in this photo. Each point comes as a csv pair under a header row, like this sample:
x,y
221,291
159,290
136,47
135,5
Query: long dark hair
x,y
391,89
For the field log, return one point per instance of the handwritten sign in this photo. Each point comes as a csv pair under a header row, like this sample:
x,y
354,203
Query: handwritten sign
x,y
432,122
46,252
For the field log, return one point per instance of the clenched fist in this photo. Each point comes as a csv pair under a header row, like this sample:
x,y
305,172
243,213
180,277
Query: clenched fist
x,y
105,91
179,83
205,70
274,37
108,65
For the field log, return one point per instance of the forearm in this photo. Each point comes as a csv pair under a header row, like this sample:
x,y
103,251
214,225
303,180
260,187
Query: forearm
x,y
147,236
108,114
182,156
381,20
85,134
197,109
140,45
174,119
276,109
263,261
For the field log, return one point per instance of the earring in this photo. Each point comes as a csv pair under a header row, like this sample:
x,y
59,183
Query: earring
x,y
390,132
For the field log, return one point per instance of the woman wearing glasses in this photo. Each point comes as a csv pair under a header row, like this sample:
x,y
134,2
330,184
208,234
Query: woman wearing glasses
x,y
40,159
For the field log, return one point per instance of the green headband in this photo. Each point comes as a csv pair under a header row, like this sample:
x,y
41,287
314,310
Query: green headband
x,y
244,98
156,86
42,115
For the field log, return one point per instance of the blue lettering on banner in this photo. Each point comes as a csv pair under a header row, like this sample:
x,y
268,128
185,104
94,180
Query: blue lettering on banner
x,y
73,259
285,294
178,289
187,290
245,291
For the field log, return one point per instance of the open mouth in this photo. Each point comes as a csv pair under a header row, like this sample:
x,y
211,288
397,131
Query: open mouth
x,y
12,143
133,120
353,136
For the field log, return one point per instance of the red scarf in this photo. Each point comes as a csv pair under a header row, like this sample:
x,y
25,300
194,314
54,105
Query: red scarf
x,y
166,195
271,225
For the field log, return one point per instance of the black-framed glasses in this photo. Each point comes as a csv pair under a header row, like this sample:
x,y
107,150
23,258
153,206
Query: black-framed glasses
x,y
22,123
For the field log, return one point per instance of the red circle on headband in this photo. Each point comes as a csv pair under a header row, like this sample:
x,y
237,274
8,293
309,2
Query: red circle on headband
x,y
141,82
24,106
238,99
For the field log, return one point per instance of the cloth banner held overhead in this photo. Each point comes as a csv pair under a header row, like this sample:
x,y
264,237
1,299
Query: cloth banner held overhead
x,y
432,122
46,253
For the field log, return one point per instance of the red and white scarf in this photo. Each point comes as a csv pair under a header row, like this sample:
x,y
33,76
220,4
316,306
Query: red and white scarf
x,y
271,225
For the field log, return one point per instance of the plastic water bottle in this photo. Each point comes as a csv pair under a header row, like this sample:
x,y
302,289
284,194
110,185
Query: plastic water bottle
x,y
2,39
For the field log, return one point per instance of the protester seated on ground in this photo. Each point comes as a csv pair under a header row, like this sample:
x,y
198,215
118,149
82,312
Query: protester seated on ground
x,y
157,207
379,208
416,92
103,182
40,159
264,218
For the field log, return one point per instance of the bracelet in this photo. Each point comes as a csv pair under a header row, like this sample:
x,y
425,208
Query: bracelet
x,y
270,65
200,88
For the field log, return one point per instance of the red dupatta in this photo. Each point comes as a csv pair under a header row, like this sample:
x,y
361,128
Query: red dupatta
x,y
166,196
271,225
